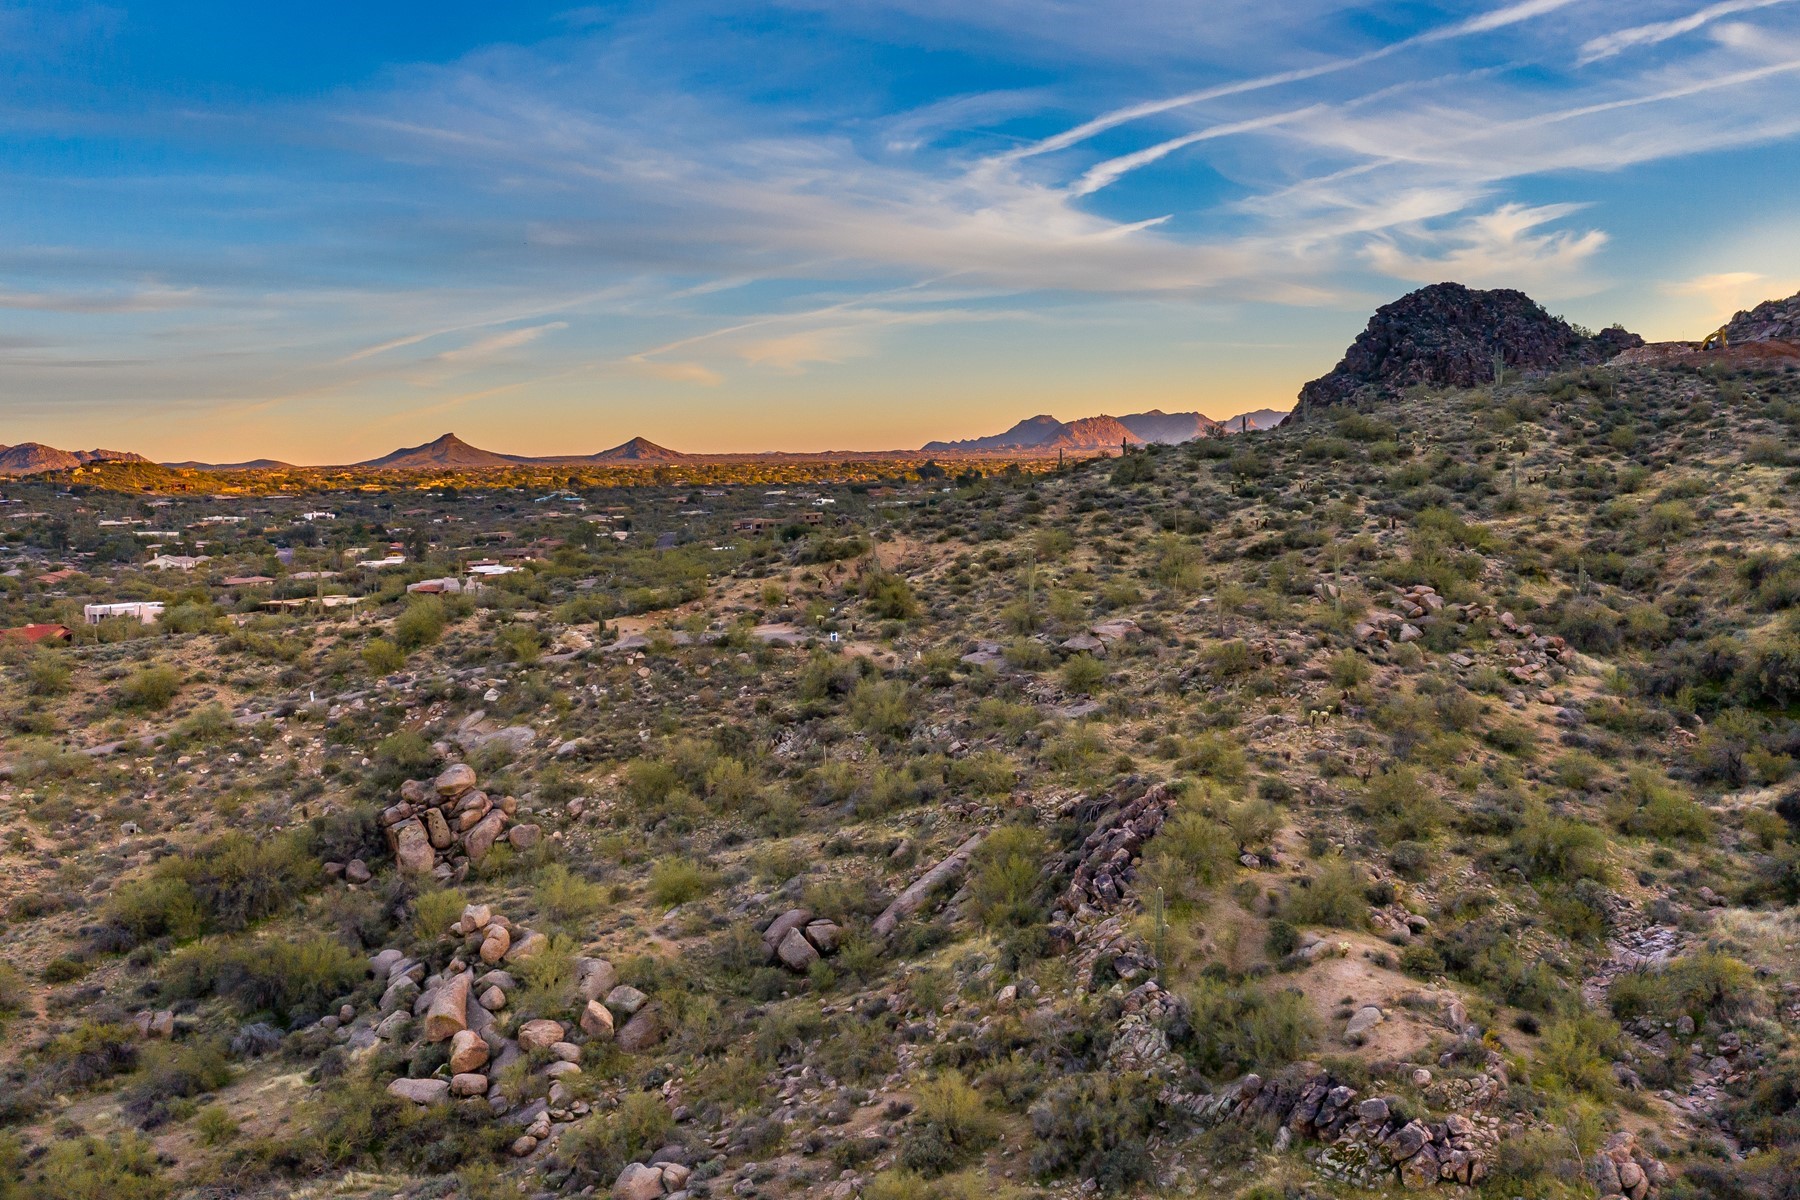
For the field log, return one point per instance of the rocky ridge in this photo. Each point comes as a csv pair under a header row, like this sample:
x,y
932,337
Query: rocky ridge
x,y
1448,335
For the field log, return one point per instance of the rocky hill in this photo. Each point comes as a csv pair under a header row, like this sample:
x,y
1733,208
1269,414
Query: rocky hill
x,y
34,458
1448,335
1770,321
1046,433
445,452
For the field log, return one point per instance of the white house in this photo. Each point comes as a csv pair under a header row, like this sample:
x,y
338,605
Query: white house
x,y
145,611
392,560
318,516
177,562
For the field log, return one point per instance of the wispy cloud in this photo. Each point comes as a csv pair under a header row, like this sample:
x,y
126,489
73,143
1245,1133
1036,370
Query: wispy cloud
x,y
1619,41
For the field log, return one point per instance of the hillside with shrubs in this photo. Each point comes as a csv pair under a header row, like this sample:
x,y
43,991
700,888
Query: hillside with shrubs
x,y
1401,798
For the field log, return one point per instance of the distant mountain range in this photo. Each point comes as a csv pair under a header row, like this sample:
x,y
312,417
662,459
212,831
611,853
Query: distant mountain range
x,y
1036,435
1045,433
32,458
450,452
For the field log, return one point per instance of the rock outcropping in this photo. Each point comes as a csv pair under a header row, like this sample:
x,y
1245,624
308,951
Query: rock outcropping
x,y
1447,335
440,826
1770,321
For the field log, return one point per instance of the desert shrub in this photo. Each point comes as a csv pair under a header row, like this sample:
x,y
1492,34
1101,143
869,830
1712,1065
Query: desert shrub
x,y
224,886
883,707
1096,1126
889,596
1084,674
1654,808
1008,880
172,1073
89,1168
382,657
295,979
214,1125
1191,853
600,1148
1332,897
986,773
46,674
677,880
1349,669
15,993
972,1184
1706,986
91,1052
1576,1055
434,911
1243,1027
1771,675
149,689
562,895
420,625
951,1124
1401,806
1559,848
1215,756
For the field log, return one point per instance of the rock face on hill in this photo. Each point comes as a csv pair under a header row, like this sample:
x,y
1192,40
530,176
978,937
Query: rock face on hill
x,y
448,451
32,458
1447,335
1770,321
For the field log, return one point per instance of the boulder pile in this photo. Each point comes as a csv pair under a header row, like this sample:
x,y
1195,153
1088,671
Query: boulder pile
x,y
439,827
468,1003
1118,824
796,939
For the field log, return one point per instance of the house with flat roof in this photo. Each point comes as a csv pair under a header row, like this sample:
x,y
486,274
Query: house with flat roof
x,y
147,612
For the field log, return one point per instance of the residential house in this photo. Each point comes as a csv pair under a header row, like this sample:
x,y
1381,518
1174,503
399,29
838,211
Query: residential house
x,y
147,612
37,633
177,562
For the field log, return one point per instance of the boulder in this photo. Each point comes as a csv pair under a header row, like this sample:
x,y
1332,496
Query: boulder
x,y
447,1014
565,1051
638,1182
437,829
527,947
1365,1019
675,1175
594,977
562,1068
522,1145
825,935
597,1021
475,917
455,780
479,840
641,1032
626,999
793,918
468,1052
795,952
420,1091
357,871
540,1034
524,837
495,945
413,850
468,1084
493,999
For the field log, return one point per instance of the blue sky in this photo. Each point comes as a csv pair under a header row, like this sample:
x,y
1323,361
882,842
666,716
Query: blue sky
x,y
319,231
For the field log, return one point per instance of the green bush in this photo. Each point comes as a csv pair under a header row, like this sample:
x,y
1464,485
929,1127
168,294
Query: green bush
x,y
1191,853
149,689
600,1147
951,1124
421,624
225,885
1576,1055
562,895
1097,1126
676,881
88,1168
295,979
1558,848
1242,1027
883,707
434,911
1332,897
1706,986
1008,879
382,657
172,1073
1084,674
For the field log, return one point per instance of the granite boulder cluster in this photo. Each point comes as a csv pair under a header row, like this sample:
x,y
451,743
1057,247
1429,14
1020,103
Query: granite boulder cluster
x,y
442,826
